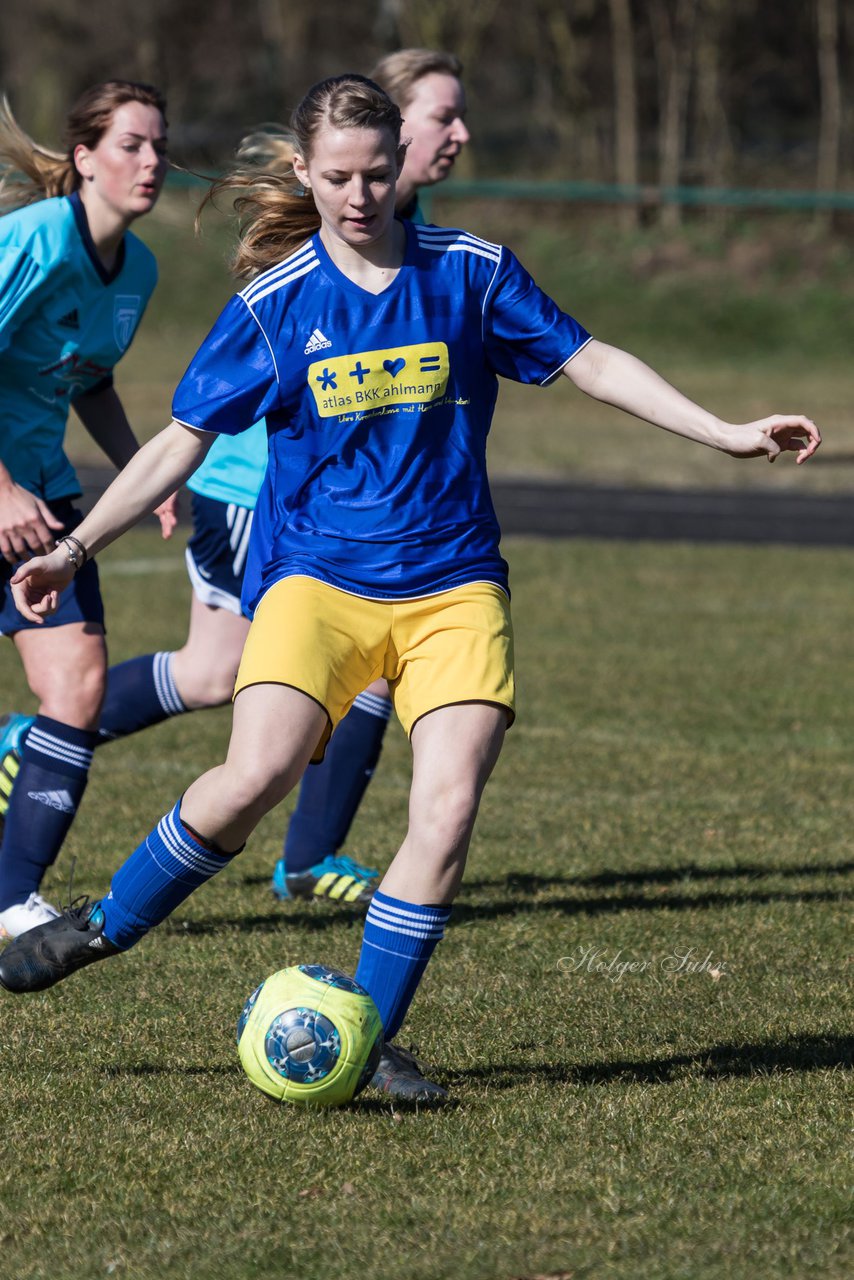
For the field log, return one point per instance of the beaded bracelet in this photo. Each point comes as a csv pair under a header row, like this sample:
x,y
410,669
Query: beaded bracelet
x,y
77,553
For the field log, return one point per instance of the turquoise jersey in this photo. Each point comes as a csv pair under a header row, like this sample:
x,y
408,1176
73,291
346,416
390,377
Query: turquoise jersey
x,y
64,323
234,467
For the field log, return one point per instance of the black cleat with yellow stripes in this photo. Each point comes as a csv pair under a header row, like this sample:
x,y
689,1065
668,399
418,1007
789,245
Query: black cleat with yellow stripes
x,y
13,730
335,879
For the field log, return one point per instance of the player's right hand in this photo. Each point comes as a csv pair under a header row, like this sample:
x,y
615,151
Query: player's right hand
x,y
167,514
27,524
36,585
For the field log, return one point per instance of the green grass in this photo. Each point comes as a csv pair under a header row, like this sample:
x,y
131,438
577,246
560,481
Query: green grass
x,y
679,780
749,320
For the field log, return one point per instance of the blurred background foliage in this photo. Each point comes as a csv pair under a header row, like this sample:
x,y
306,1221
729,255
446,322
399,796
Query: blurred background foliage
x,y
740,307
714,92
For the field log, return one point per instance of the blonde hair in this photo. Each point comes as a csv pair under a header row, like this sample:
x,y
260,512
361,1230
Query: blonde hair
x,y
271,148
275,214
30,172
399,72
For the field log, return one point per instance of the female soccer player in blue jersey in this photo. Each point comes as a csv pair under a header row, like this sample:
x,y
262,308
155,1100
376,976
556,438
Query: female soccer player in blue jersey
x,y
374,549
73,286
146,690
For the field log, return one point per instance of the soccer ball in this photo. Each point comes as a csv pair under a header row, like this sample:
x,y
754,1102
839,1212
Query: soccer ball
x,y
310,1035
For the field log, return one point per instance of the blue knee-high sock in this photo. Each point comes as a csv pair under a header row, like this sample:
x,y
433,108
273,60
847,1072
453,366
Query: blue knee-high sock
x,y
160,873
399,939
55,760
331,792
140,692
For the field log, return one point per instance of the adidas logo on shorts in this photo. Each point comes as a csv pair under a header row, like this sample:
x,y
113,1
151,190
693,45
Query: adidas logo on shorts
x,y
317,342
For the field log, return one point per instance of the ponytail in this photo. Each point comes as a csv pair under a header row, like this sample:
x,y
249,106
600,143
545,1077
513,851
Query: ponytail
x,y
29,172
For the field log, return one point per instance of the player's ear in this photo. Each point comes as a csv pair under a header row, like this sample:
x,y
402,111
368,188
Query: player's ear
x,y
301,171
83,161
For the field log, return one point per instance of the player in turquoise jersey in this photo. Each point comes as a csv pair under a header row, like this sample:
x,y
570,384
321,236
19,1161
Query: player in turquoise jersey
x,y
151,688
374,549
428,88
73,286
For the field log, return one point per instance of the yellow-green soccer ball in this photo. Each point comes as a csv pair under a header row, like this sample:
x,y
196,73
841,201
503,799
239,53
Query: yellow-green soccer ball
x,y
310,1035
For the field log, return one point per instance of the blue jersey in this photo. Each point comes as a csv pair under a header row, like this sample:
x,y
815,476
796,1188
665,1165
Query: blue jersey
x,y
64,323
378,409
233,470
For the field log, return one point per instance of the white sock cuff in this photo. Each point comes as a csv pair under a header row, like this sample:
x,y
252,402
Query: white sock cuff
x,y
373,705
164,684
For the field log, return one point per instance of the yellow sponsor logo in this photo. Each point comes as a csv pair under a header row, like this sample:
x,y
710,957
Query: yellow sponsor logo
x,y
373,379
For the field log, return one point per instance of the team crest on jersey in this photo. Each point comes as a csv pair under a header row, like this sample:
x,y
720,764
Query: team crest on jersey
x,y
125,316
373,379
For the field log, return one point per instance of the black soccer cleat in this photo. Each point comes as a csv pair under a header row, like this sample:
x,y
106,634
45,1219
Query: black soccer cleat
x,y
43,956
400,1076
335,879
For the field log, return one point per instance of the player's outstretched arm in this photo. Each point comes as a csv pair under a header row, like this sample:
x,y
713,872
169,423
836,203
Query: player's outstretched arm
x,y
159,468
618,378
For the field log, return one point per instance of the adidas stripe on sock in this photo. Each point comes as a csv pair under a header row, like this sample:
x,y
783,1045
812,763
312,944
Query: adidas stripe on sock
x,y
49,786
157,877
399,939
140,692
373,704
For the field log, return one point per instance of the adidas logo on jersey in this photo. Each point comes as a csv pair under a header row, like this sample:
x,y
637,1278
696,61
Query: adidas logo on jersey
x,y
60,800
317,342
69,321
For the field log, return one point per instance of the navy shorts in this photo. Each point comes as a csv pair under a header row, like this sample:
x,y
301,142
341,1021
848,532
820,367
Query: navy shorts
x,y
216,553
79,602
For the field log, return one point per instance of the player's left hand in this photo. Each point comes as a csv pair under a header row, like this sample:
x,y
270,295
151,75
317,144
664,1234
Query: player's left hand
x,y
167,514
780,433
36,585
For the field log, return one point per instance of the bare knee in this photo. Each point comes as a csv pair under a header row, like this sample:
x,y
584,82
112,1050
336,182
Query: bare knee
x,y
205,669
443,821
254,788
429,864
205,683
274,731
79,705
70,686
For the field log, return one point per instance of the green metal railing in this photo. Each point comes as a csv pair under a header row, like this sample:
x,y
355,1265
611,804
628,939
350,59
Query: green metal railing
x,y
641,194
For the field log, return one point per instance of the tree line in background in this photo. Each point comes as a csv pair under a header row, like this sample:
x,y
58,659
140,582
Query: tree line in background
x,y
661,92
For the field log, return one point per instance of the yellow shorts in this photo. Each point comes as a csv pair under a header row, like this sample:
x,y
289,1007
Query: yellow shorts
x,y
453,647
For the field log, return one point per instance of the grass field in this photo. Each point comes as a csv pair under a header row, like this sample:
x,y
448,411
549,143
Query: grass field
x,y
676,796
